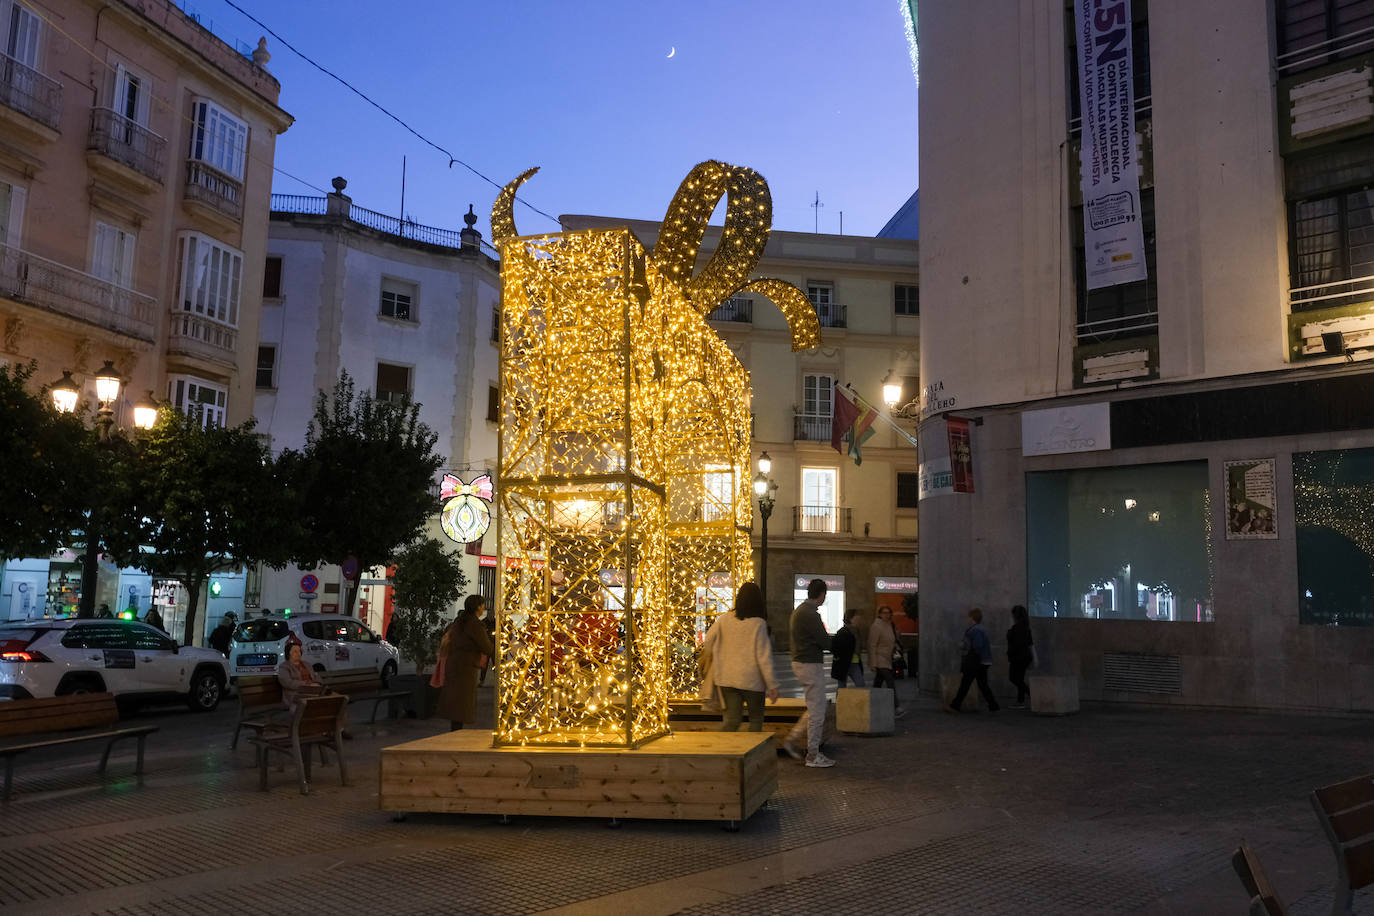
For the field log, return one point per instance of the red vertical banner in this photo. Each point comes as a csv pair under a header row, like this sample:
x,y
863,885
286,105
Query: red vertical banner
x,y
960,454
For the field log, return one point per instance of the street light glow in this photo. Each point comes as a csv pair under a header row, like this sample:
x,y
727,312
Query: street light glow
x,y
765,465
107,383
64,393
892,389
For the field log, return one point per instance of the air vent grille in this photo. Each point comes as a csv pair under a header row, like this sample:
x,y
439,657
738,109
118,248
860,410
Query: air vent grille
x,y
1142,673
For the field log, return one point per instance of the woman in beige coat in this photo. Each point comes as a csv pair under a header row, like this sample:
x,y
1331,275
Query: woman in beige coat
x,y
465,642
742,659
882,643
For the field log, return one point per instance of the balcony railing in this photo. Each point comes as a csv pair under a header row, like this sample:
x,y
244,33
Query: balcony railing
x,y
821,520
127,143
391,225
212,187
810,429
1326,295
29,92
188,326
832,315
25,277
736,309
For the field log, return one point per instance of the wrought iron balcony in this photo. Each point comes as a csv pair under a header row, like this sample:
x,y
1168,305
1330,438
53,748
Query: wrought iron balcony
x,y
27,278
735,309
213,188
821,520
29,92
811,429
127,143
196,335
832,315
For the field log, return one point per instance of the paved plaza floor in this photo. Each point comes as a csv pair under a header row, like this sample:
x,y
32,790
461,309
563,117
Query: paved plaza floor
x,y
1110,811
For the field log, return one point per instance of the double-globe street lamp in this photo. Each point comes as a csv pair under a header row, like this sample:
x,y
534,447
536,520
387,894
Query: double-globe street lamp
x,y
65,393
764,488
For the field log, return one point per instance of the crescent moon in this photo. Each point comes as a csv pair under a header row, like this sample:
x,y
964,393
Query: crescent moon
x,y
672,50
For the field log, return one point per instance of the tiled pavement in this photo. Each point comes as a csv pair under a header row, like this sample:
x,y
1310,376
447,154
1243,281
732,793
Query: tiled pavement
x,y
1109,811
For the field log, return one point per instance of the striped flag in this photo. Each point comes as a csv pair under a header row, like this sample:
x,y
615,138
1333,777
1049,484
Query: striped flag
x,y
852,422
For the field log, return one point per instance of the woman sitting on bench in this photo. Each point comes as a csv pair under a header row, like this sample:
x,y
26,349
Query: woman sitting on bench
x,y
296,677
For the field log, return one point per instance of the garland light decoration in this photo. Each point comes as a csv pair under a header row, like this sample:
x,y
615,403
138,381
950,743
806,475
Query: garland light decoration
x,y
624,459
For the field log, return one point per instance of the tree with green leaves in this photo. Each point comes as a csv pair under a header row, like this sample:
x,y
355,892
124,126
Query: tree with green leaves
x,y
208,499
51,475
427,580
364,479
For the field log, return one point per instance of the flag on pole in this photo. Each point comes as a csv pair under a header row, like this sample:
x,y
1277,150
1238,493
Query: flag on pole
x,y
852,421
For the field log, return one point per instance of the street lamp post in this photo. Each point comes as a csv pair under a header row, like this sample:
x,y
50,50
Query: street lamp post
x,y
764,488
65,395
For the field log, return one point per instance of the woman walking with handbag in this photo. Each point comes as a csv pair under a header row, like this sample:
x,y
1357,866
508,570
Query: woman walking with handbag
x,y
742,659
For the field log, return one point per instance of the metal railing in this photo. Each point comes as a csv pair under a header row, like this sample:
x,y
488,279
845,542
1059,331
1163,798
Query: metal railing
x,y
190,326
832,315
811,429
1325,295
734,309
391,225
212,187
822,520
127,143
1144,109
1321,52
1123,326
29,92
25,277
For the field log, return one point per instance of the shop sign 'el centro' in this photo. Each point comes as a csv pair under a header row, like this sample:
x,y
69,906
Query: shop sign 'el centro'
x,y
624,446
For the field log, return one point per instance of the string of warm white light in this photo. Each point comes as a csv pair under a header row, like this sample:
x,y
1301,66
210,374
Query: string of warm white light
x,y
625,510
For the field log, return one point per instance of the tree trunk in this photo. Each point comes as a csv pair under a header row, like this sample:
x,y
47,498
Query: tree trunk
x,y
351,593
193,587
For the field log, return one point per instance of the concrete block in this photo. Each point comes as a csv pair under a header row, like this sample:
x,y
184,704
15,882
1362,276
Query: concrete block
x,y
1053,695
865,710
949,687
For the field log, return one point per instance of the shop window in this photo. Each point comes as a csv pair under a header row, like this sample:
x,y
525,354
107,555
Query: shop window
x,y
1126,543
1333,501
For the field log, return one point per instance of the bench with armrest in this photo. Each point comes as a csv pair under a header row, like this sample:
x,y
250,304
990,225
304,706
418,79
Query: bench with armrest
x,y
1263,900
63,713
260,705
316,722
1346,813
365,687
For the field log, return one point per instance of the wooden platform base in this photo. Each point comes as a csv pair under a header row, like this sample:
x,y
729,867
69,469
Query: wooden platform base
x,y
778,718
693,776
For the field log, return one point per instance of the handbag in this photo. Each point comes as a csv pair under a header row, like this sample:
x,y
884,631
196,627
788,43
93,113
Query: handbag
x,y
437,678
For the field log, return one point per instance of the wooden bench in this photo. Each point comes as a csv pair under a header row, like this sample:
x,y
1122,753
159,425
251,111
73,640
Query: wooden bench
x,y
60,714
1263,900
365,687
316,722
1346,813
260,705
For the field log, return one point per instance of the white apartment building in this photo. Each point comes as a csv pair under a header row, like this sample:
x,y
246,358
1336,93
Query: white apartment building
x,y
1175,474
404,309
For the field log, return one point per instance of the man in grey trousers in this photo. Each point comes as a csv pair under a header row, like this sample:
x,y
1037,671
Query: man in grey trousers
x,y
809,641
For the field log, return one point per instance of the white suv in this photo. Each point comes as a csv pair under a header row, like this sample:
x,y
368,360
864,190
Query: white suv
x,y
329,643
46,658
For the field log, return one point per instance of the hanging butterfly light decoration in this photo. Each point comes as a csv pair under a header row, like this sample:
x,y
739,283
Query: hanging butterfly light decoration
x,y
465,516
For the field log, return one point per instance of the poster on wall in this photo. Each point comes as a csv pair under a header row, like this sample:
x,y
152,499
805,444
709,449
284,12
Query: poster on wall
x,y
960,454
1250,503
1113,230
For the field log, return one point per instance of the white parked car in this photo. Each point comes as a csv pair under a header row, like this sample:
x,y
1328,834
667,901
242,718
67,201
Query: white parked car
x,y
329,643
49,657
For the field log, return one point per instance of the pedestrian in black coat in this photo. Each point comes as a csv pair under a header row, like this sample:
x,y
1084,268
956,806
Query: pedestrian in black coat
x,y
1020,653
844,650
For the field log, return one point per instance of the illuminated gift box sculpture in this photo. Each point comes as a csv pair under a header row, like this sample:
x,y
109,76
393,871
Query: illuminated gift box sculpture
x,y
624,456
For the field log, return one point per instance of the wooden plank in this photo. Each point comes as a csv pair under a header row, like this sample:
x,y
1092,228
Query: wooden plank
x,y
49,714
705,776
1348,794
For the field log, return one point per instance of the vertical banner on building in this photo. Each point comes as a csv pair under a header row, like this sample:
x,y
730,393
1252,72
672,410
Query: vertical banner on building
x,y
960,454
1113,234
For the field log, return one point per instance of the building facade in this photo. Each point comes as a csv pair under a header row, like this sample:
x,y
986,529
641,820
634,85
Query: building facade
x,y
405,310
1175,474
852,524
136,154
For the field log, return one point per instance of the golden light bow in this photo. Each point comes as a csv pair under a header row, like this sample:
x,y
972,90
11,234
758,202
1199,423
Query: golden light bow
x,y
625,509
748,219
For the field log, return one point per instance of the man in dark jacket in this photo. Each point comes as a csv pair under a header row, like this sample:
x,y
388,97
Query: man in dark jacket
x,y
844,653
809,642
222,634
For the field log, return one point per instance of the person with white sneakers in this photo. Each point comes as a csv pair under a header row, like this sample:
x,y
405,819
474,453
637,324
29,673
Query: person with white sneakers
x,y
809,643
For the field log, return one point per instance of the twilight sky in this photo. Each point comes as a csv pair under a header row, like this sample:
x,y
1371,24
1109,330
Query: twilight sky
x,y
817,95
